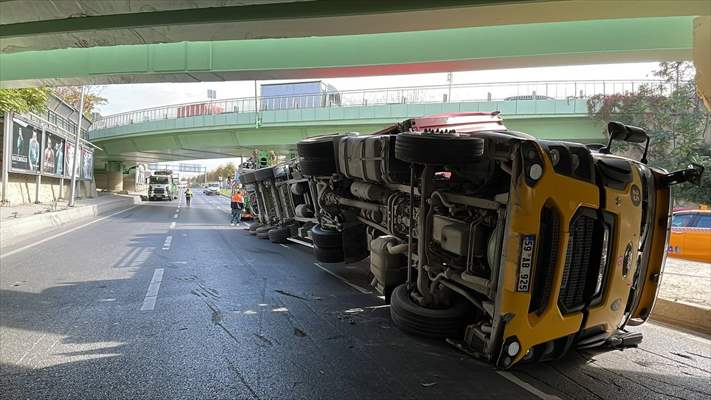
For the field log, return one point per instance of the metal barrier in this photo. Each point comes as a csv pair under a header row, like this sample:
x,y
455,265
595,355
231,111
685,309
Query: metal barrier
x,y
501,91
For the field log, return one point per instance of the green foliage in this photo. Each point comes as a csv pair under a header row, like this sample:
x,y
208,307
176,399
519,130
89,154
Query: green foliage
x,y
226,171
72,95
23,100
675,119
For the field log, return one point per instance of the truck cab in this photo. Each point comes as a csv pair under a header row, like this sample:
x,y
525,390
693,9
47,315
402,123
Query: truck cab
x,y
161,186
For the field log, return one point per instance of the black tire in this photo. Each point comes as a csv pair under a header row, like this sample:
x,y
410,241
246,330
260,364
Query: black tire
x,y
429,322
262,235
264,173
263,229
438,149
328,255
317,166
317,147
326,239
279,235
247,178
253,229
318,155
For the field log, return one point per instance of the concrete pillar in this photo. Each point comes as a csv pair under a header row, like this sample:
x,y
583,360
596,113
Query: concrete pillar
x,y
114,181
114,176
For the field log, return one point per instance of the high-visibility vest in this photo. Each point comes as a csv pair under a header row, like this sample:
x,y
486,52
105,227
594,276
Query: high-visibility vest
x,y
237,197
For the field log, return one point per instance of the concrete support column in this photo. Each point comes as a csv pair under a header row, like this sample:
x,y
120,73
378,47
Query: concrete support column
x,y
114,176
114,181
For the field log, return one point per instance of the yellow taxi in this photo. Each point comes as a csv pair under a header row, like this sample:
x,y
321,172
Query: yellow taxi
x,y
690,237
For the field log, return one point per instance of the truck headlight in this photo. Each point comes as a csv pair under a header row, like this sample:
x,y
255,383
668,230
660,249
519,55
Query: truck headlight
x,y
532,162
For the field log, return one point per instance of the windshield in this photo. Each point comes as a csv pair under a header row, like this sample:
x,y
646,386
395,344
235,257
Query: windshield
x,y
161,180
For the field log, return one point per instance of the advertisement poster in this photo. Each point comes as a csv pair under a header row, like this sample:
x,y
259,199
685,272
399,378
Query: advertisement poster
x,y
53,154
87,164
69,160
25,146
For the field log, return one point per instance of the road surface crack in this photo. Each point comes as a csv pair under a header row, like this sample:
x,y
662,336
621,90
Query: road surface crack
x,y
216,318
296,296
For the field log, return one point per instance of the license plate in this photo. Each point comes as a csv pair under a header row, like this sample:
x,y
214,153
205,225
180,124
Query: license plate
x,y
528,244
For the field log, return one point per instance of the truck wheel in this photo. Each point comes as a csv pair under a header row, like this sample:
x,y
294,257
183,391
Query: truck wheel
x,y
412,318
264,173
253,229
328,255
326,239
263,232
279,235
318,155
438,149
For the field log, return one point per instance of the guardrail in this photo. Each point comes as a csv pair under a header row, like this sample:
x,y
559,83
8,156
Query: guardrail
x,y
507,91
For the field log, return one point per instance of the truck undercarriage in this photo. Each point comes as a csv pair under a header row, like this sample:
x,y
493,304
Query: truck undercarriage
x,y
470,233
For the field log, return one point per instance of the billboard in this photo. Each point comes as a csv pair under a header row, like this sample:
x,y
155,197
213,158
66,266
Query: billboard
x,y
25,146
53,154
69,160
87,164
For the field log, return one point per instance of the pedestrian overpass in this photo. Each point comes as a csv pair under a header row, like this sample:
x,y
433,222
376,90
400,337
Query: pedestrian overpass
x,y
232,127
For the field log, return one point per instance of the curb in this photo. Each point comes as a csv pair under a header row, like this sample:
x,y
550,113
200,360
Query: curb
x,y
691,316
16,228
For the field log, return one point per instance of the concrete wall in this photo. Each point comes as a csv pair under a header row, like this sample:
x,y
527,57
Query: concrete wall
x,y
21,189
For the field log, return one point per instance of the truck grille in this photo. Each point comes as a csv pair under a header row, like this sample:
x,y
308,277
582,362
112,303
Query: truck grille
x,y
546,259
582,262
158,191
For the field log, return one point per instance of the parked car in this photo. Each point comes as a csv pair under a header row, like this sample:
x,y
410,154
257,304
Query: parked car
x,y
691,235
517,249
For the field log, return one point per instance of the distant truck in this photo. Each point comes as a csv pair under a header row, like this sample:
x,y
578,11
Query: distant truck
x,y
161,185
287,96
194,110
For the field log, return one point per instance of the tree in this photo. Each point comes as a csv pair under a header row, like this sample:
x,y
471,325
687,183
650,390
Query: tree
x,y
72,95
23,100
675,118
226,171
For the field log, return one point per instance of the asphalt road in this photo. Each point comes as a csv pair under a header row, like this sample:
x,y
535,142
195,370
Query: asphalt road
x,y
117,310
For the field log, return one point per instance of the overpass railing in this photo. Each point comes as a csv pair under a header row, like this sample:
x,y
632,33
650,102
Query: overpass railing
x,y
501,91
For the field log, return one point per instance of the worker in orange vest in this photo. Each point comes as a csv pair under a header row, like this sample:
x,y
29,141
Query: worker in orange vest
x,y
237,204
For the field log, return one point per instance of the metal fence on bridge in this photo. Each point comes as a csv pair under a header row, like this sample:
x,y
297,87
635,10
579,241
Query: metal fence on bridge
x,y
504,91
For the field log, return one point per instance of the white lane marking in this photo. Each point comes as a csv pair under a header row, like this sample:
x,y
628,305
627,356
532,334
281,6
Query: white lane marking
x,y
23,248
301,242
149,302
167,242
282,245
172,225
31,348
175,215
356,287
526,386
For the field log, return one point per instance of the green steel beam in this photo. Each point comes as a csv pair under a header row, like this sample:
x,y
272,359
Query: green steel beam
x,y
598,41
243,13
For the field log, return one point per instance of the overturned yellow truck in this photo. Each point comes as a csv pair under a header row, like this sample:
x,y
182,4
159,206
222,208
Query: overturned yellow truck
x,y
513,248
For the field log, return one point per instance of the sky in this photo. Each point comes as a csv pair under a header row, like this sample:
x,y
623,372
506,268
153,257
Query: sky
x,y
132,97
